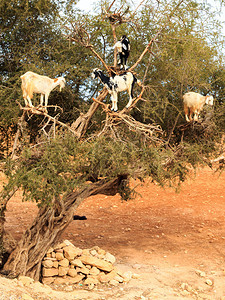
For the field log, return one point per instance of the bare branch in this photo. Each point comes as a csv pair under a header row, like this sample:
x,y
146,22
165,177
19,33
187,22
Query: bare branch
x,y
38,111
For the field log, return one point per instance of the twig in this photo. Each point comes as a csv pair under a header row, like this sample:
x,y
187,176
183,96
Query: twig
x,y
36,111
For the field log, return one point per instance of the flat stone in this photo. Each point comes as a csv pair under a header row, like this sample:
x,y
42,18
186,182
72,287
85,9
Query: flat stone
x,y
77,263
94,271
64,262
110,258
47,263
48,280
55,264
60,246
50,272
71,252
91,280
59,256
63,271
68,243
83,270
127,276
72,272
75,279
96,262
113,282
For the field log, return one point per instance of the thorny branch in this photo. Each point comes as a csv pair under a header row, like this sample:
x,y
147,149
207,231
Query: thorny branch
x,y
50,119
114,119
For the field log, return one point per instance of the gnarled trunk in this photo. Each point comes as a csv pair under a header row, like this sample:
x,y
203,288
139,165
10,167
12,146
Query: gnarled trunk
x,y
48,226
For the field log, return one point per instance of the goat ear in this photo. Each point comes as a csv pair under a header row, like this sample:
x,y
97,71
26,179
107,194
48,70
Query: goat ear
x,y
56,79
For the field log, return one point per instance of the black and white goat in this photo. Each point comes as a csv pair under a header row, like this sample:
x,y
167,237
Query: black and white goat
x,y
117,83
123,48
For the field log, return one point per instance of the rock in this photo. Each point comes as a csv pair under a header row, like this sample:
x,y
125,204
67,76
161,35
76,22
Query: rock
x,y
93,252
77,263
83,270
91,280
59,256
94,271
25,280
64,263
110,258
76,279
88,266
72,272
96,262
59,250
101,251
111,275
70,252
61,280
127,276
119,278
55,264
47,263
26,297
86,252
63,271
113,282
102,278
60,246
50,272
48,280
200,273
68,288
68,243
209,282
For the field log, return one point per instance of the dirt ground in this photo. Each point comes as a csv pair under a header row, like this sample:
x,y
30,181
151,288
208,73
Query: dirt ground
x,y
175,241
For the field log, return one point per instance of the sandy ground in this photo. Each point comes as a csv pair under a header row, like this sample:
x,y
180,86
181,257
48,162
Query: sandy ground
x,y
174,241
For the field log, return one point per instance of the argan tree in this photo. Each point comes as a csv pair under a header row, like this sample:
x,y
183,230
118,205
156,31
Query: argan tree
x,y
93,154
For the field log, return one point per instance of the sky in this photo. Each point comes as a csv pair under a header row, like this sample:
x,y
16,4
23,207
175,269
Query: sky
x,y
85,5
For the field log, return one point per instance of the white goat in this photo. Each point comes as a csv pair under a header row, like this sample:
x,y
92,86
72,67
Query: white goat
x,y
34,83
193,104
117,83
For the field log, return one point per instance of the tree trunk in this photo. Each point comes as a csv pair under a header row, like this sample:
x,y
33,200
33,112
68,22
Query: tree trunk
x,y
81,123
3,247
48,226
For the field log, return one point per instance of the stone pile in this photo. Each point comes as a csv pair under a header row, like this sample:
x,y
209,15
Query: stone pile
x,y
67,264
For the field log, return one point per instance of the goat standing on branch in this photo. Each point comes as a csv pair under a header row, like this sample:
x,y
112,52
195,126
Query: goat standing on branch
x,y
193,104
123,48
34,83
117,83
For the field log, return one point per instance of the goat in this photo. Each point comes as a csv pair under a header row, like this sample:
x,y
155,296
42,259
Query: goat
x,y
193,104
117,83
34,83
123,48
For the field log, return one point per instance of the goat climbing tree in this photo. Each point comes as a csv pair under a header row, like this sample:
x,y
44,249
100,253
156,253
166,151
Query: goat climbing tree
x,y
73,165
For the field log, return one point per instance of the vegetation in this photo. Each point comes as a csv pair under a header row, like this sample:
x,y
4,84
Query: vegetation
x,y
88,149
